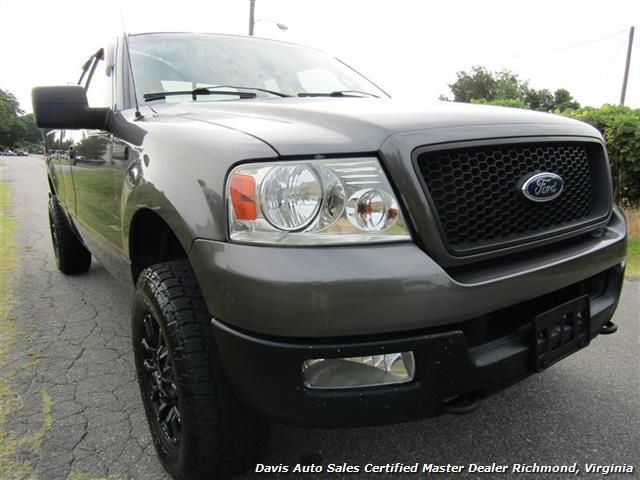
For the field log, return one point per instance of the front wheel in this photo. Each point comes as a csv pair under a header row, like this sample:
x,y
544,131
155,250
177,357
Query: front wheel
x,y
200,429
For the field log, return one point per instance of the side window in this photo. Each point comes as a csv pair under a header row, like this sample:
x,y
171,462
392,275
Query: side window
x,y
100,86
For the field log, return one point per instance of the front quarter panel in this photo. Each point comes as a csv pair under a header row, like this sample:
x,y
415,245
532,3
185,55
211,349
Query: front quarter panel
x,y
179,172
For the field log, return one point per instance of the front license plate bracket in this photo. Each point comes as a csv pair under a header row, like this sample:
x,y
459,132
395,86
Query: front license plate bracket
x,y
561,331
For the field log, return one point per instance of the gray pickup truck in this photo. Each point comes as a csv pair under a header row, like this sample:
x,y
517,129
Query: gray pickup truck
x,y
307,250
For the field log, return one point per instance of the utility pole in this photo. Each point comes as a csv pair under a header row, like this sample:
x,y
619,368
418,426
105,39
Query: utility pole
x,y
626,67
252,8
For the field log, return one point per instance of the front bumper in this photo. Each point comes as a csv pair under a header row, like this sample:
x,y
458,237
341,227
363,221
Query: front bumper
x,y
469,359
351,291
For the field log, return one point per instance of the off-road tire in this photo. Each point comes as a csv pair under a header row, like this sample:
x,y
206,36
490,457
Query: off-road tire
x,y
218,437
71,255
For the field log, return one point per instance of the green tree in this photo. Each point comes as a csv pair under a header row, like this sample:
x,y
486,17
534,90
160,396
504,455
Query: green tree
x,y
33,133
479,83
564,100
12,128
542,100
510,87
16,128
505,88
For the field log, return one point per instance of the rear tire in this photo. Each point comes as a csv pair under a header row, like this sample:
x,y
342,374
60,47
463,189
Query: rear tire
x,y
200,429
71,255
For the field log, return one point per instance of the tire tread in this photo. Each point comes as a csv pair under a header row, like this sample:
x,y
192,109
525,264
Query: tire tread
x,y
73,256
226,437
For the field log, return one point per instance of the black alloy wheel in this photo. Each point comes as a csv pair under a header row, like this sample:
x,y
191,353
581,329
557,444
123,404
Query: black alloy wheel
x,y
199,428
162,388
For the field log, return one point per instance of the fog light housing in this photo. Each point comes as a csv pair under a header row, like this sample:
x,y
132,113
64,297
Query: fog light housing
x,y
358,372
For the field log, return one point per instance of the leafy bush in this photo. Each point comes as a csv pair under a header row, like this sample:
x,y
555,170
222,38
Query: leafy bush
x,y
621,129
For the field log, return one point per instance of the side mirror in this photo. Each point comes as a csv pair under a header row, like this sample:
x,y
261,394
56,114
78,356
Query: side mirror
x,y
66,107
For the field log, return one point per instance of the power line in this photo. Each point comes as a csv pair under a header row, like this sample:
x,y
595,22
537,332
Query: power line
x,y
542,52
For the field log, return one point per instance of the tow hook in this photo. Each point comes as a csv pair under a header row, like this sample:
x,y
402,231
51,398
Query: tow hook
x,y
608,328
462,405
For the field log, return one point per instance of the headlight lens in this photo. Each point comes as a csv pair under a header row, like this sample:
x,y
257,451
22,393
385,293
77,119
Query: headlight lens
x,y
291,196
372,209
313,202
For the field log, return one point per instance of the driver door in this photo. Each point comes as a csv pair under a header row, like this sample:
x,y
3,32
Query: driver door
x,y
91,160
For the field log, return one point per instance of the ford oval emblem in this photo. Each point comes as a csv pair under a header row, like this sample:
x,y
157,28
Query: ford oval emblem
x,y
542,187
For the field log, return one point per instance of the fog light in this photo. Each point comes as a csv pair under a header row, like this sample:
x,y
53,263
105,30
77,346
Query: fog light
x,y
355,372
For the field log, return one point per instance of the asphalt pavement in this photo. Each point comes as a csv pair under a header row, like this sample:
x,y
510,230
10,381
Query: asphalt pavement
x,y
79,408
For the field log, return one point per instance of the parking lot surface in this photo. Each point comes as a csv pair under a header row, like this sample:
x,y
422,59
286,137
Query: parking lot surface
x,y
78,414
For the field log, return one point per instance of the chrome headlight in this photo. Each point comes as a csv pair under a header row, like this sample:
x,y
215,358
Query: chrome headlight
x,y
311,202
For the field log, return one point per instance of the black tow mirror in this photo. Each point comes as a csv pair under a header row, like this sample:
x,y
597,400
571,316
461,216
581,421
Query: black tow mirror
x,y
66,107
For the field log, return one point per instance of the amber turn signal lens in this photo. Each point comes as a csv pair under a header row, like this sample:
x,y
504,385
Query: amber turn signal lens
x,y
242,189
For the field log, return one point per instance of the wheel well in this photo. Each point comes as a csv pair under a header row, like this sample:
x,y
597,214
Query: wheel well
x,y
51,189
151,241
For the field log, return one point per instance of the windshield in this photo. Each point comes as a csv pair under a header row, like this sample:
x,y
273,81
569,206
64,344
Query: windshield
x,y
179,62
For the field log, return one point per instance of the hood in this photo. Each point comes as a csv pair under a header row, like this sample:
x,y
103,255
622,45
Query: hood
x,y
307,126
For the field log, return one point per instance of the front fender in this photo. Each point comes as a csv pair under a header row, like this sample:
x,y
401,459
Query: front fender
x,y
148,197
179,173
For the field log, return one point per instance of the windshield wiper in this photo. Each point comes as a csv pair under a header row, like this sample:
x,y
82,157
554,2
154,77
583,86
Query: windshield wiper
x,y
338,93
213,90
148,97
272,92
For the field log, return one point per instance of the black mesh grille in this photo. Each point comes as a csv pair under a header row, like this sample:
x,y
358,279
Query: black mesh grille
x,y
475,194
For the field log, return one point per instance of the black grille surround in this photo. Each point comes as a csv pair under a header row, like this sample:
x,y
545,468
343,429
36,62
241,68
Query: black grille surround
x,y
475,195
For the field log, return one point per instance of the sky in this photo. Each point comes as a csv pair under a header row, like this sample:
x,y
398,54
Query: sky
x,y
412,49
